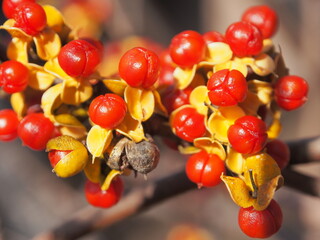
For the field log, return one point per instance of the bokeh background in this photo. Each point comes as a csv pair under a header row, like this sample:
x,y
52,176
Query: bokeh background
x,y
33,200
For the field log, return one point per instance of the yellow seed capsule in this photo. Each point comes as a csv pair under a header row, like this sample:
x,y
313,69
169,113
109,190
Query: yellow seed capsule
x,y
67,156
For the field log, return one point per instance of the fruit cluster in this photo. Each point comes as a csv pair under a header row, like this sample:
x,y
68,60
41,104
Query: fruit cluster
x,y
225,106
61,103
221,95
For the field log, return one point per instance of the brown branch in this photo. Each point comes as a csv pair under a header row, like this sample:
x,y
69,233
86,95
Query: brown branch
x,y
90,219
305,150
301,182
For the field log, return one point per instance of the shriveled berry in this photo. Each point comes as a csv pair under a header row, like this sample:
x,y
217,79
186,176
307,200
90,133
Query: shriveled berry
x,y
188,124
291,92
35,130
244,39
227,88
205,169
8,125
187,48
79,58
104,199
260,224
248,135
9,6
263,17
139,67
30,17
14,76
107,110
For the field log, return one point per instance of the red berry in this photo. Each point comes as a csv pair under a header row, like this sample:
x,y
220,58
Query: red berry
x,y
107,110
205,169
244,39
79,58
264,18
104,199
188,124
279,151
213,36
35,130
260,224
291,92
227,88
14,76
56,155
139,67
176,98
248,135
187,48
8,125
9,6
30,17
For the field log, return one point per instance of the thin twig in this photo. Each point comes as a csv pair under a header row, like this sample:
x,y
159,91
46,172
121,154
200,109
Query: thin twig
x,y
90,219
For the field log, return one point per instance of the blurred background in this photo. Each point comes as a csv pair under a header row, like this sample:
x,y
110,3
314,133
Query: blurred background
x,y
32,199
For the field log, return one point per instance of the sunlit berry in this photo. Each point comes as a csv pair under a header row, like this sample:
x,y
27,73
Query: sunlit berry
x,y
205,169
260,224
188,124
248,135
104,199
35,130
291,92
244,39
227,88
8,125
263,17
279,151
9,6
79,58
14,76
139,67
30,17
107,110
187,48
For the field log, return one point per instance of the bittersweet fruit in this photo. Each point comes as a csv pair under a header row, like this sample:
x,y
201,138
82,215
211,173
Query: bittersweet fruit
x,y
107,110
79,58
248,135
264,18
139,67
227,88
8,125
188,124
291,92
205,169
260,224
244,39
30,17
187,48
104,199
14,76
35,130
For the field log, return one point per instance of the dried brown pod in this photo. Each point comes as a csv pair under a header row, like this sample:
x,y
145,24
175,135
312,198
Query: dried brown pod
x,y
142,157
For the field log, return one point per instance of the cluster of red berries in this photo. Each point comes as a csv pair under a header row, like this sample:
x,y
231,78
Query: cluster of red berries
x,y
228,86
217,92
